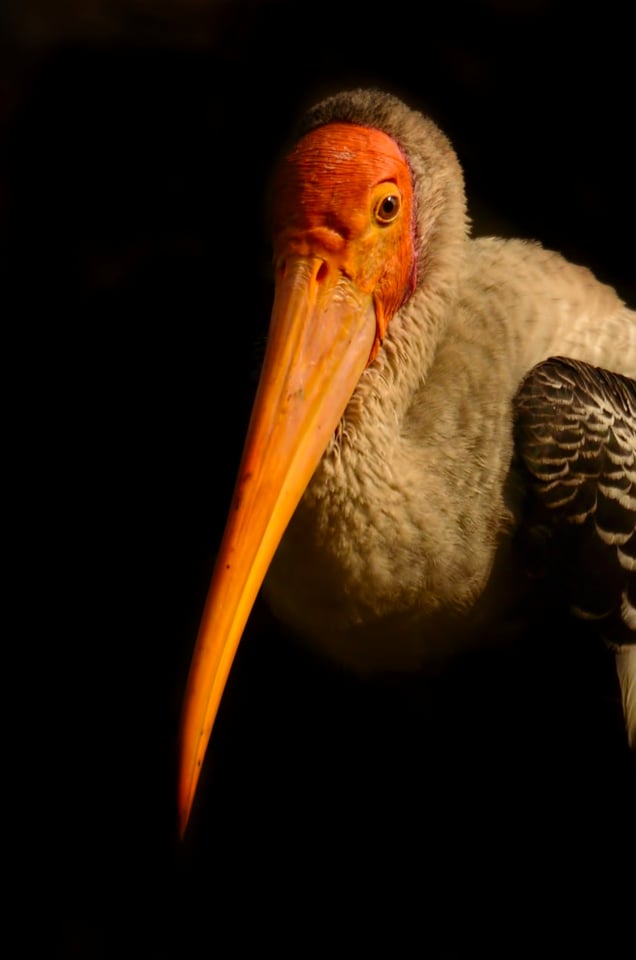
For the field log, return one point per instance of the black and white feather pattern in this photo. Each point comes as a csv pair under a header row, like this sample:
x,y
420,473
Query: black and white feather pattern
x,y
575,436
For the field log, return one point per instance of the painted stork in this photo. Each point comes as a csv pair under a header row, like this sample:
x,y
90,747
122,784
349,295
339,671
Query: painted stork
x,y
442,425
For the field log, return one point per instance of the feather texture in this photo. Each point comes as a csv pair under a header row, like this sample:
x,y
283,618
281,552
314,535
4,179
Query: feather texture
x,y
575,436
575,433
404,530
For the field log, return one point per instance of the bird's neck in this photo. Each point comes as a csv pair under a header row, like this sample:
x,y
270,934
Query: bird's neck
x,y
370,507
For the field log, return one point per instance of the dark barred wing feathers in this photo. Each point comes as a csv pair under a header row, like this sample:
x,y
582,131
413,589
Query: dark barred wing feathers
x,y
575,440
575,433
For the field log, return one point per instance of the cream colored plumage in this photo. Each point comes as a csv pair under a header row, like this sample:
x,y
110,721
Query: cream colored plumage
x,y
399,517
391,549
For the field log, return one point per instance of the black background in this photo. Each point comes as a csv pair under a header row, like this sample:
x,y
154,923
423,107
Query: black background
x,y
478,809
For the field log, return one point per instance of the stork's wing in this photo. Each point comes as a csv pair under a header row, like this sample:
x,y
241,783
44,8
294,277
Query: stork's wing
x,y
575,437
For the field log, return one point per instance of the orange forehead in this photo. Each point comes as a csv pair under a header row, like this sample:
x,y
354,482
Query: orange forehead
x,y
330,173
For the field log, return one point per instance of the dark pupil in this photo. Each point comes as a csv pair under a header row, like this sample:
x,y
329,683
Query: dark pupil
x,y
388,207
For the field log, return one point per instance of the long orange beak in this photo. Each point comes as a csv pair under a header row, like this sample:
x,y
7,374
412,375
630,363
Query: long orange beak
x,y
321,336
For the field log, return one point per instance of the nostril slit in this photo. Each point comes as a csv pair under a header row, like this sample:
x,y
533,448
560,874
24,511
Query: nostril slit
x,y
323,270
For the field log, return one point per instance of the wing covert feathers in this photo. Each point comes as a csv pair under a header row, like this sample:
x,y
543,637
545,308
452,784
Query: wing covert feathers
x,y
575,435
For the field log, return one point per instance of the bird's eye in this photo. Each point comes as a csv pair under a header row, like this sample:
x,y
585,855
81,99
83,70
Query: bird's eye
x,y
387,205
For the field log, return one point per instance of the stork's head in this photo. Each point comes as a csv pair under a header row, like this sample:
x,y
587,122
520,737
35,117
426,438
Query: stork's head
x,y
343,200
360,204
